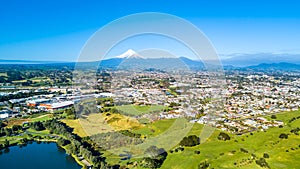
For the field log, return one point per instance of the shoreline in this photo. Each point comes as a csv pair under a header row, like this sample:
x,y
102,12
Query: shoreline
x,y
73,156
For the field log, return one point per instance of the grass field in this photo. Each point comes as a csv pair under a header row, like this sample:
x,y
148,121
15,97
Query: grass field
x,y
156,128
99,123
284,116
33,118
34,80
39,79
75,124
42,117
17,139
19,81
135,110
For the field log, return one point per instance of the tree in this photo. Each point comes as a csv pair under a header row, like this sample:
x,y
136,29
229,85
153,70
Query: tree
x,y
70,112
203,165
273,116
8,131
63,142
244,150
16,128
154,157
266,155
190,141
223,136
283,136
6,143
1,124
24,141
151,163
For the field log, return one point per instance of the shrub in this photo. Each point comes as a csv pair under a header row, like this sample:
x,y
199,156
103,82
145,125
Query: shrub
x,y
266,155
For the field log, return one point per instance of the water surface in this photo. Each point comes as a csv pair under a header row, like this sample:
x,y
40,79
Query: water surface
x,y
37,156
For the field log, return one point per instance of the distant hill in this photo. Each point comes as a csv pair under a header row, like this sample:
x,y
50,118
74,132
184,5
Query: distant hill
x,y
276,66
193,64
244,60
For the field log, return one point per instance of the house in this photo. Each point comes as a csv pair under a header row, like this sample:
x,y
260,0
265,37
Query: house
x,y
4,114
60,90
36,102
57,105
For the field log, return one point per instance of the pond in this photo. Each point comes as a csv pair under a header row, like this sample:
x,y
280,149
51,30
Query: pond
x,y
37,156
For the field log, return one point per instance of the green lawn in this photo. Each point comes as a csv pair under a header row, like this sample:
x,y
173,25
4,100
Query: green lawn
x,y
17,139
43,132
284,116
156,128
12,139
34,80
43,118
135,110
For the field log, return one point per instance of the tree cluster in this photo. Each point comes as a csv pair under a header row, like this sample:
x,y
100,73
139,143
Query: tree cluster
x,y
203,165
262,162
38,126
190,141
154,157
75,145
112,140
130,134
295,131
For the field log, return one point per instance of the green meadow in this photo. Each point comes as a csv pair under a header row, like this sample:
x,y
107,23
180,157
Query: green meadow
x,y
136,110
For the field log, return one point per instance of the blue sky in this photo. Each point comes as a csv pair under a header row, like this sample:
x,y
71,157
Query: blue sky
x,y
57,30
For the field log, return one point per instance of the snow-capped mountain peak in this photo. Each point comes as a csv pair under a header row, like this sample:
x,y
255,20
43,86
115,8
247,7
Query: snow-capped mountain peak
x,y
129,54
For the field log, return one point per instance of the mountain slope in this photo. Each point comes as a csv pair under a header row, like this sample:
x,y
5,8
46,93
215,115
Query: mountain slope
x,y
276,66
